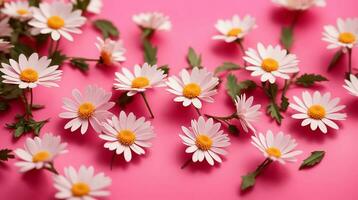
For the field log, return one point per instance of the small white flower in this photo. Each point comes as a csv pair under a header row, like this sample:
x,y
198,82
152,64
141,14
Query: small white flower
x,y
271,62
191,88
5,27
29,73
57,18
126,134
352,85
91,107
300,4
18,9
344,35
205,140
144,78
246,112
153,20
318,110
83,184
40,152
94,6
111,51
234,29
279,147
5,46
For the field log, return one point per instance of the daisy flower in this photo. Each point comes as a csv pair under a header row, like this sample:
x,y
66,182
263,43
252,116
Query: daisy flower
x,y
40,152
344,35
279,147
246,112
205,140
234,29
57,18
31,72
318,110
126,134
144,77
111,51
18,9
193,87
5,27
300,4
5,46
82,184
152,20
271,62
88,108
352,85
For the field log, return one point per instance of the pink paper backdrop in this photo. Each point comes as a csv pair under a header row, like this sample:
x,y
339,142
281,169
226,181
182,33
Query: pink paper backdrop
x,y
157,175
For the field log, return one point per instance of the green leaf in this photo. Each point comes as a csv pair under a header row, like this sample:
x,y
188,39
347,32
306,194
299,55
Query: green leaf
x,y
80,63
248,181
81,4
284,103
165,69
4,106
57,58
37,106
24,125
231,86
107,28
336,58
233,129
21,48
312,160
124,99
150,52
34,3
5,154
226,66
274,111
287,37
307,80
235,88
193,58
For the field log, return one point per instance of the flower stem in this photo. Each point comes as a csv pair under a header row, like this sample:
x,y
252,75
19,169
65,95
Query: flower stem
x,y
198,111
262,166
234,115
241,46
52,168
186,163
147,104
349,60
50,48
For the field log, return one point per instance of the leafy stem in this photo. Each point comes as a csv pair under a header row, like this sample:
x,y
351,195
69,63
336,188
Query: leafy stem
x,y
85,59
52,168
249,180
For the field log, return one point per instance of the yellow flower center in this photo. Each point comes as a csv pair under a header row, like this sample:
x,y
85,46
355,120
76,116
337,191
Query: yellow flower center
x,y
55,22
140,82
274,152
22,11
203,142
269,65
191,90
126,137
106,57
316,112
29,75
234,32
41,156
86,110
347,38
80,189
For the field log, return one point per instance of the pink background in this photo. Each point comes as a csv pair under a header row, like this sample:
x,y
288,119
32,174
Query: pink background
x,y
157,175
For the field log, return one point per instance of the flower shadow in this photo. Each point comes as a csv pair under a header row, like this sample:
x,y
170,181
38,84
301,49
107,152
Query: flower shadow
x,y
229,50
